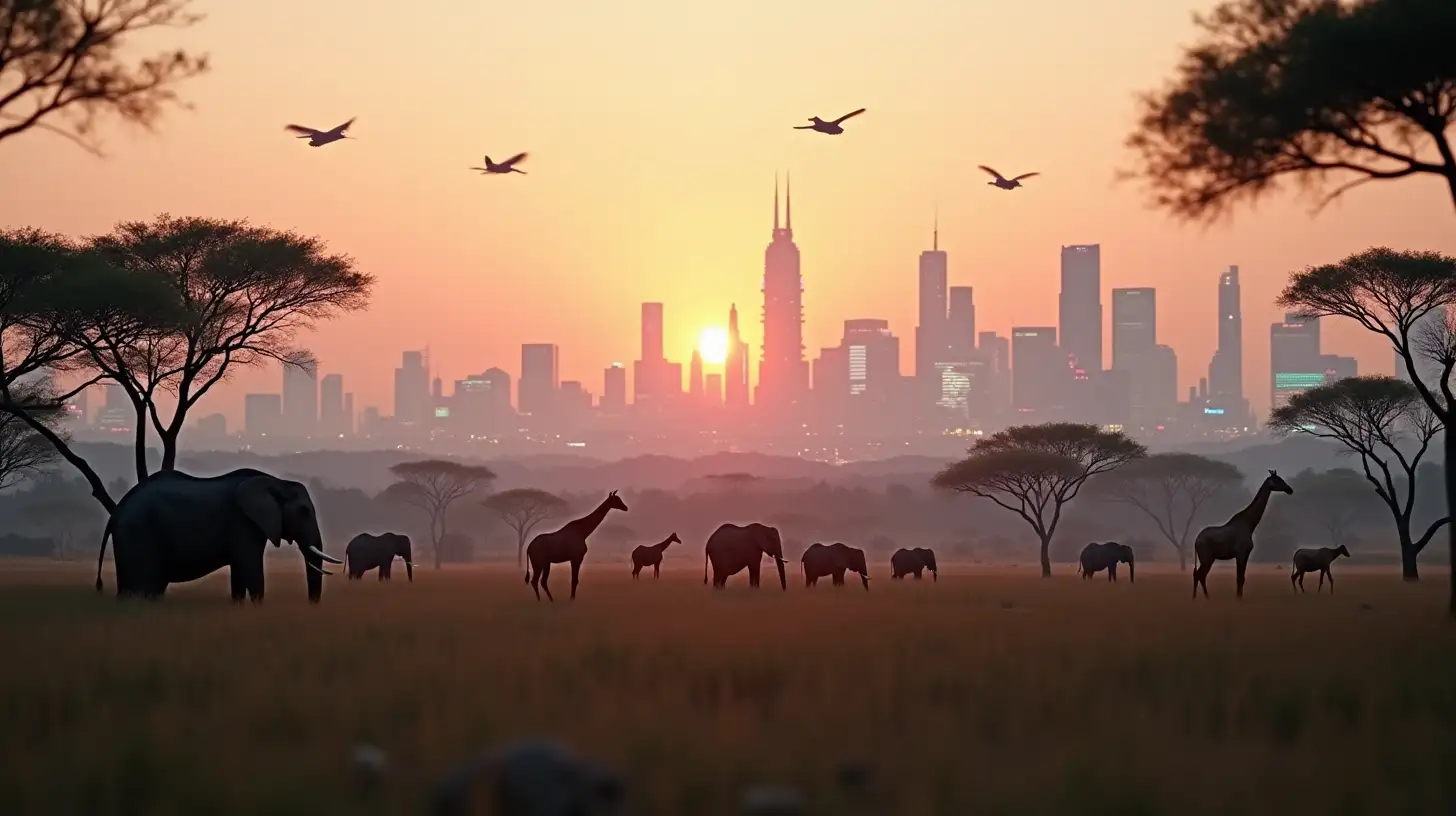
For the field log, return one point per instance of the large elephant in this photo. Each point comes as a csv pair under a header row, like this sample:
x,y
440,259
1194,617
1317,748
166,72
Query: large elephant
x,y
833,560
904,562
732,549
1098,557
172,528
367,551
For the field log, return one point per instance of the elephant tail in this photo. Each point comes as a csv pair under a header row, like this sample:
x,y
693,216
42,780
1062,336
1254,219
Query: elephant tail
x,y
528,571
705,566
101,557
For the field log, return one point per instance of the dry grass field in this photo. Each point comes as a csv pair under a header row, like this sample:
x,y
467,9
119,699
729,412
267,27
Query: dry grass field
x,y
989,692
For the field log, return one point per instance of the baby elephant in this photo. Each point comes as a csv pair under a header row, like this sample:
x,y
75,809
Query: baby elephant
x,y
645,556
1308,560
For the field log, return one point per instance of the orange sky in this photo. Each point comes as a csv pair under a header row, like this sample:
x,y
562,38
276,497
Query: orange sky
x,y
655,128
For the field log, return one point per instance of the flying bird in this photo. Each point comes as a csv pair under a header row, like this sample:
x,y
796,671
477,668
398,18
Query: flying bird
x,y
832,128
1006,183
507,166
319,138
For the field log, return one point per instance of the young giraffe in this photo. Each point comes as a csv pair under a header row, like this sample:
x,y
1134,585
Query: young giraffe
x,y
565,545
1234,539
645,556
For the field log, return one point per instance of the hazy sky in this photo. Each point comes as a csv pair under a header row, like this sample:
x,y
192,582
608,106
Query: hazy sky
x,y
655,128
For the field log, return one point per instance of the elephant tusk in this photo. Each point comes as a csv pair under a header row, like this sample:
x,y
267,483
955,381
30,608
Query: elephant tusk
x,y
317,568
325,556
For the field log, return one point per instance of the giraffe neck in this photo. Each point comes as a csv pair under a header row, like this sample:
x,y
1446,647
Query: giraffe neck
x,y
1249,517
662,545
586,525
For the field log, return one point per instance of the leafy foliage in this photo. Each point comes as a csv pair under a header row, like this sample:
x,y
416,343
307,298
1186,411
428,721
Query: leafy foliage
x,y
1034,470
522,509
1171,489
61,65
1301,90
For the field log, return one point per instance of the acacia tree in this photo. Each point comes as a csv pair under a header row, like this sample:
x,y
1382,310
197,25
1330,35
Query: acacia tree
x,y
22,451
1385,422
1035,470
61,65
244,294
49,290
1171,489
433,485
1388,293
1303,91
522,509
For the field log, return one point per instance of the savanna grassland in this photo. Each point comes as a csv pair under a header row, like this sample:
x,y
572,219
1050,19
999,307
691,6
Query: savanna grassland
x,y
983,693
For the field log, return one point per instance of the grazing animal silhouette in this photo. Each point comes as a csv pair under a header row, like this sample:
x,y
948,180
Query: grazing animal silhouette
x,y
833,560
832,128
732,549
645,556
1234,539
905,562
1098,557
1308,560
565,545
367,551
319,138
1006,183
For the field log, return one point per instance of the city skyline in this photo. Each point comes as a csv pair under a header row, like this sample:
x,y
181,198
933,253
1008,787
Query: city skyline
x,y
473,269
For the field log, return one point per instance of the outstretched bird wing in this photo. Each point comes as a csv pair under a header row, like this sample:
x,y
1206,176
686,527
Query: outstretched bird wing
x,y
803,127
512,160
1025,175
850,115
345,126
998,176
306,131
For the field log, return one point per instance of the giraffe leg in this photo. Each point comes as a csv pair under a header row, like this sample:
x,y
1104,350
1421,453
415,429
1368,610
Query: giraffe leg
x,y
575,576
1294,581
545,575
656,571
536,580
1242,565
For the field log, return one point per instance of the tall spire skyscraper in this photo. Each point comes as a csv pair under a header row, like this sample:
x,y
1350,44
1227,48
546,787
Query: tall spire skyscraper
x,y
735,364
783,374
932,340
1226,372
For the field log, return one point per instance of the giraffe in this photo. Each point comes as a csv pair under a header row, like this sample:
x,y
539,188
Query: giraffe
x,y
565,545
1234,539
646,556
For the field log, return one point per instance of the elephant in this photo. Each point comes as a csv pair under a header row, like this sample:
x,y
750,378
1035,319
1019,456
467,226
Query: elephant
x,y
905,562
172,528
1098,557
732,549
833,560
367,551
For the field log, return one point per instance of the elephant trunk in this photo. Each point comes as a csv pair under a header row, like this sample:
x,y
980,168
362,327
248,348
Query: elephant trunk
x,y
1131,572
864,578
409,570
783,580
310,544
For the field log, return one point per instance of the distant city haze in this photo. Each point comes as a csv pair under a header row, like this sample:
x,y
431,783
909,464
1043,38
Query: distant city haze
x,y
655,130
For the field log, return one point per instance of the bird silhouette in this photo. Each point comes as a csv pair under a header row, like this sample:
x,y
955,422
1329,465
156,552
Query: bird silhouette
x,y
1006,183
507,166
833,128
319,138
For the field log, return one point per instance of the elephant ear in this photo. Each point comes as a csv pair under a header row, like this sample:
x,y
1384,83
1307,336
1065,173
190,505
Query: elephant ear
x,y
256,500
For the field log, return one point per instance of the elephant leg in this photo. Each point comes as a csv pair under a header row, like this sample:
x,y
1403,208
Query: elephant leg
x,y
753,574
239,587
251,568
1242,566
544,573
656,571
575,576
918,576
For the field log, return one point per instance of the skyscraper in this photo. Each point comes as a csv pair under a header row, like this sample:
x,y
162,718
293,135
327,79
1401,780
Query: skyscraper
x,y
783,374
262,414
713,390
653,377
1039,372
1080,305
1226,372
735,366
300,400
331,407
1134,324
411,389
961,321
932,332
614,388
1295,362
695,376
540,366
997,352
652,331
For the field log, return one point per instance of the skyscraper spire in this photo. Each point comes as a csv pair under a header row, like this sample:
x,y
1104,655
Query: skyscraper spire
x,y
788,203
776,202
733,319
935,236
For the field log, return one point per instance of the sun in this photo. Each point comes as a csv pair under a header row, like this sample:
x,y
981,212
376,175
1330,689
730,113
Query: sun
x,y
713,345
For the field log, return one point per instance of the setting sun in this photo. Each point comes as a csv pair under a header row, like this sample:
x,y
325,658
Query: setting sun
x,y
713,345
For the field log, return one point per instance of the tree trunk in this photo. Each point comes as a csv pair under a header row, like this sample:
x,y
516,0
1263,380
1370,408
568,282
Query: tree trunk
x,y
1449,437
169,450
520,549
1408,569
1183,558
1046,559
